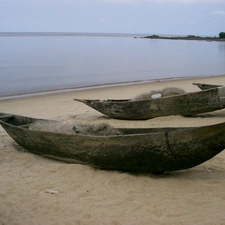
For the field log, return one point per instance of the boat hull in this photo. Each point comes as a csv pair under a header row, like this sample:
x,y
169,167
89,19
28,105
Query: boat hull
x,y
206,86
186,105
150,150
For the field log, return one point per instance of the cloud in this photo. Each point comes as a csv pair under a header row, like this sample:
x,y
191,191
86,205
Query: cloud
x,y
114,1
159,1
188,1
102,20
221,13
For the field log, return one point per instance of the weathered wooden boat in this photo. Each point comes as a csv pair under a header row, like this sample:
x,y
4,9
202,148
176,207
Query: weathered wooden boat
x,y
206,86
185,104
136,149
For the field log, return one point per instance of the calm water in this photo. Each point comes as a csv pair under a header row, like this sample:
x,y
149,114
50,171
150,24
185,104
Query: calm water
x,y
43,63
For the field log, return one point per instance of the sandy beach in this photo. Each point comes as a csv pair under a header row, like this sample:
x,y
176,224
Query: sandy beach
x,y
40,191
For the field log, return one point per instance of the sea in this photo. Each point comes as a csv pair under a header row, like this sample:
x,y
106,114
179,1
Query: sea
x,y
34,63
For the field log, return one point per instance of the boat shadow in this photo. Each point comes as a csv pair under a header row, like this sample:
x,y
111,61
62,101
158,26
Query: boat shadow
x,y
189,174
219,114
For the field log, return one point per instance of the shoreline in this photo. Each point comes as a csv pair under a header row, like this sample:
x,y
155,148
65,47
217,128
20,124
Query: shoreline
x,y
64,90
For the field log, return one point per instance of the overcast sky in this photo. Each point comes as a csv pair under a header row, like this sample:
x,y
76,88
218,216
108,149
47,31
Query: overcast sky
x,y
182,17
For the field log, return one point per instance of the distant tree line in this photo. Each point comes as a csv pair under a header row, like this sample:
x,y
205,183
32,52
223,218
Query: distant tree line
x,y
222,35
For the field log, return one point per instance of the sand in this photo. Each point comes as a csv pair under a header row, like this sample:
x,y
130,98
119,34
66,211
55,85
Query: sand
x,y
37,190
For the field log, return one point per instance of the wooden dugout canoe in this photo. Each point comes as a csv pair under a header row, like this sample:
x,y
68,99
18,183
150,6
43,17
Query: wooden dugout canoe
x,y
186,105
141,149
206,86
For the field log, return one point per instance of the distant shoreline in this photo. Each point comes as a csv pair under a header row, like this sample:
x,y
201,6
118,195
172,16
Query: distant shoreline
x,y
189,37
78,34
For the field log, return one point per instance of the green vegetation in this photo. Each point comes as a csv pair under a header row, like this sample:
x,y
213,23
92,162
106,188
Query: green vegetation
x,y
190,37
222,34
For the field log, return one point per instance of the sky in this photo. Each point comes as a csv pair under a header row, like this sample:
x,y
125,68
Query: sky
x,y
173,17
